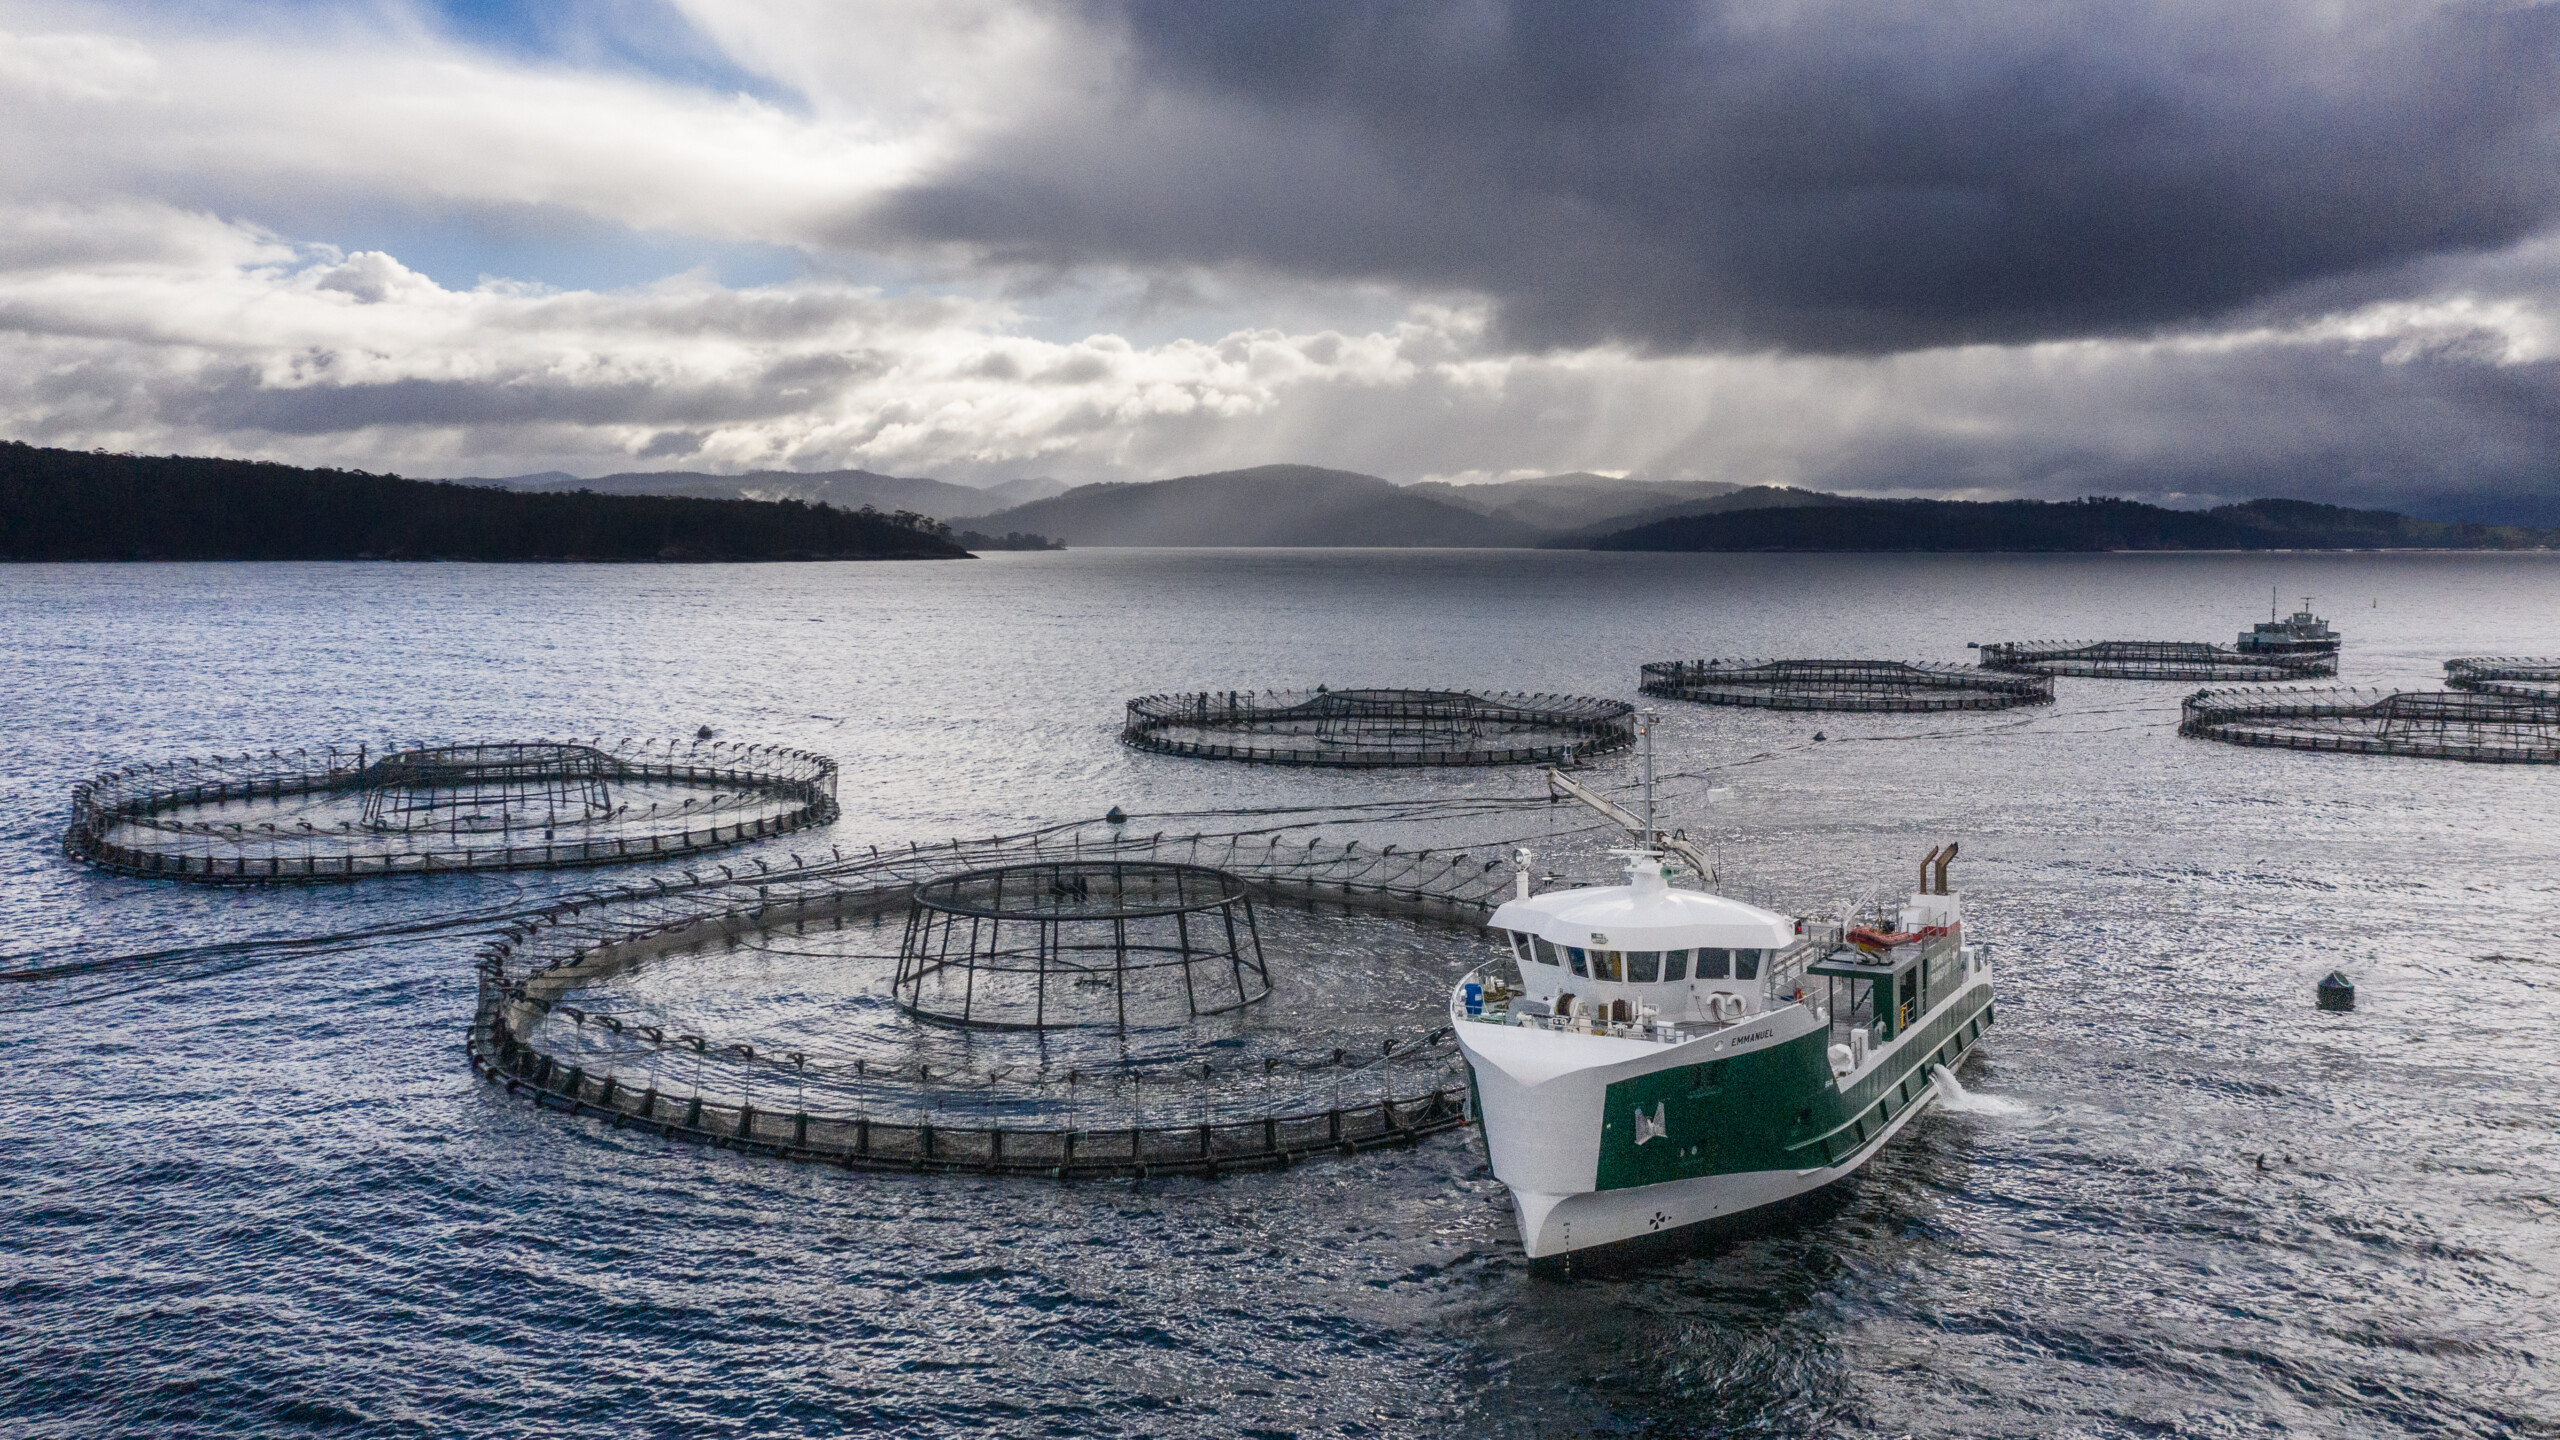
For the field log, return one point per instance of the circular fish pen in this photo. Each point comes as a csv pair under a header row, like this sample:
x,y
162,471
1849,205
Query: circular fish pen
x,y
344,814
1886,685
1359,729
2151,660
2517,678
1065,943
2442,725
768,1018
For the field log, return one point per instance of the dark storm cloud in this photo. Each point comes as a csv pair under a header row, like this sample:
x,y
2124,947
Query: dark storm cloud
x,y
1824,176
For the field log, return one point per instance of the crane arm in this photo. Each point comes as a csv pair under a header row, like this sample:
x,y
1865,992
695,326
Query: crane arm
x,y
1563,786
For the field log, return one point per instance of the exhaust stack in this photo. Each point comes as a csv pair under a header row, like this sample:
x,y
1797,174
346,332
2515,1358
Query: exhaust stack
x,y
1925,862
1943,856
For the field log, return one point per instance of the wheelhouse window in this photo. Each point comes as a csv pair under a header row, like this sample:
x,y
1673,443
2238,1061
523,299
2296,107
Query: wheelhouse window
x,y
1644,967
1675,965
1714,964
1545,951
1605,966
1573,957
1746,964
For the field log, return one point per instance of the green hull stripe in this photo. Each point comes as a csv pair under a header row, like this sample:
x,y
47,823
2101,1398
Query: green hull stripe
x,y
1772,1109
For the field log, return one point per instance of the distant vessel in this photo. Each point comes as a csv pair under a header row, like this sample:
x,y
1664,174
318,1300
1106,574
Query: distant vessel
x,y
2302,635
1654,1058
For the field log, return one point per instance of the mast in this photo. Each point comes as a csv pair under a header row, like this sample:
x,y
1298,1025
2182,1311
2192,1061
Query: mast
x,y
1644,736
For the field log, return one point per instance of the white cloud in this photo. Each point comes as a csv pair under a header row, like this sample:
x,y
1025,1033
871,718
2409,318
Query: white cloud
x,y
252,123
236,339
77,67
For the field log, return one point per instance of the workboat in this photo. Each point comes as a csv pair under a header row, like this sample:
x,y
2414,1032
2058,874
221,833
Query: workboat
x,y
2301,636
1647,1058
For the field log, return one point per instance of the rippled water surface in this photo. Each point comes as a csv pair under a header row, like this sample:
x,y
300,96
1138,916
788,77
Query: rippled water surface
x,y
259,1192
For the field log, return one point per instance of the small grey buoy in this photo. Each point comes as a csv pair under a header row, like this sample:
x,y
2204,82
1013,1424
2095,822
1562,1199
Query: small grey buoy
x,y
1116,816
702,734
1819,737
2337,992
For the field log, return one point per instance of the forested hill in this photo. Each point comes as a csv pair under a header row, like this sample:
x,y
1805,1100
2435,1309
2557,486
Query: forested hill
x,y
73,505
2073,525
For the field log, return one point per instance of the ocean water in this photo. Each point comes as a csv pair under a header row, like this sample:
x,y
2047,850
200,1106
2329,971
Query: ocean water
x,y
257,1191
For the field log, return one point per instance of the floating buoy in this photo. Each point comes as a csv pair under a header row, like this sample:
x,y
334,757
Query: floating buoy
x,y
1116,816
2337,992
702,734
1819,737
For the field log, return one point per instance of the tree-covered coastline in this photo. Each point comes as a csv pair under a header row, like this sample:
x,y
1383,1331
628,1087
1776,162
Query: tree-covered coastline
x,y
2072,525
89,505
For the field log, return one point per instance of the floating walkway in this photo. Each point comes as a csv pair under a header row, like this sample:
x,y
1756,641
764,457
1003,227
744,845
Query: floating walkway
x,y
2151,660
2443,725
1887,685
348,813
1379,729
2516,677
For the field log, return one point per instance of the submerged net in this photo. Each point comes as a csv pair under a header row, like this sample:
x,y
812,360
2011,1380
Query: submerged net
x,y
1061,943
477,789
1379,728
1872,685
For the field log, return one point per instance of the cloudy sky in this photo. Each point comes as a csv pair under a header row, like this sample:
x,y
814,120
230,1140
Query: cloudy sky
x,y
2168,248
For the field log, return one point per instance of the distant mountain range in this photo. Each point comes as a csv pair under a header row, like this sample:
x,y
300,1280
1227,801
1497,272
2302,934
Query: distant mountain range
x,y
1303,505
844,489
70,504
1267,505
1574,502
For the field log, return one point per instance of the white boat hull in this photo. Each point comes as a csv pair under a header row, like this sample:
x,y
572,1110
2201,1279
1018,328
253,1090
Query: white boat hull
x,y
1555,1225
1577,1125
